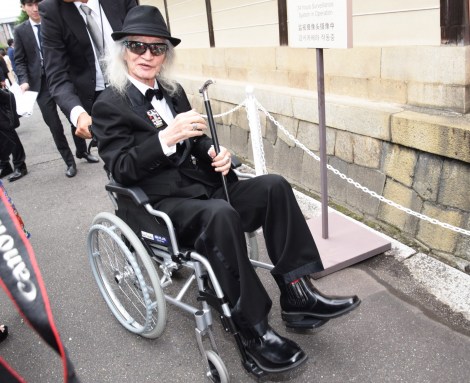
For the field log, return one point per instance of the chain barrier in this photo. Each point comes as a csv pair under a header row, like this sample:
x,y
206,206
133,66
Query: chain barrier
x,y
372,193
243,104
358,185
247,104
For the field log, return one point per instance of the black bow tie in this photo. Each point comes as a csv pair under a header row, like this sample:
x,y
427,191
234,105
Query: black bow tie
x,y
150,93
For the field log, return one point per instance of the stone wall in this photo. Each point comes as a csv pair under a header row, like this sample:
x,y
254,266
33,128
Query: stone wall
x,y
428,76
417,157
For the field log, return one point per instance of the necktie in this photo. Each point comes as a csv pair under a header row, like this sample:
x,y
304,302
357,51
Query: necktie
x,y
38,26
150,93
94,30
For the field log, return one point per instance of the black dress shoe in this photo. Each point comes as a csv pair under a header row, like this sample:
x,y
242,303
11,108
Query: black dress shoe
x,y
18,173
301,301
5,171
71,171
271,352
89,157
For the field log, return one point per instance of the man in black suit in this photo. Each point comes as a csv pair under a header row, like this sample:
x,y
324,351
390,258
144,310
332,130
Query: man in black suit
x,y
31,76
71,58
149,136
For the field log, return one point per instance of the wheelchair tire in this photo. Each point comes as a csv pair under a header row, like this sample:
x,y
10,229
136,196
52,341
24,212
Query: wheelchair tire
x,y
252,245
218,372
126,276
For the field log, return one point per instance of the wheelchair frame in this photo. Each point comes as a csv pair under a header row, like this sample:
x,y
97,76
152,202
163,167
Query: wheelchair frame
x,y
124,268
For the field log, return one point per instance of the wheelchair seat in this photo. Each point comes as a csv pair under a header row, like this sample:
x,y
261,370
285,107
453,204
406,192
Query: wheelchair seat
x,y
134,254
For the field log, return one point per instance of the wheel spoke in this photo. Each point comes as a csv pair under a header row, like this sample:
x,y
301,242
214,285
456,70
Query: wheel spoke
x,y
126,277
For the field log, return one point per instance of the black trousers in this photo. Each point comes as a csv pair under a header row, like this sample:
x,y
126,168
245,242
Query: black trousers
x,y
216,230
51,117
10,144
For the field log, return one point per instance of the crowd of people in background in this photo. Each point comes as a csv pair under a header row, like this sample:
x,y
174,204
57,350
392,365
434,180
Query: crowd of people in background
x,y
26,62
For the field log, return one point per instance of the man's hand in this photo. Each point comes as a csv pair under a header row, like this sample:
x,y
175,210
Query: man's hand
x,y
222,161
83,123
184,126
24,87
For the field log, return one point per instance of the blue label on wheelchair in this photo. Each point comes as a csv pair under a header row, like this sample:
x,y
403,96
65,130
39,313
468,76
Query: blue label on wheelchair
x,y
155,238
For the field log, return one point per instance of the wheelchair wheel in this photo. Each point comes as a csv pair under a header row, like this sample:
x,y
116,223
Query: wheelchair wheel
x,y
126,276
218,372
252,245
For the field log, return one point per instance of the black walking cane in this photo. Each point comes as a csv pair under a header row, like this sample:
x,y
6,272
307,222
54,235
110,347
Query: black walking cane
x,y
228,323
210,119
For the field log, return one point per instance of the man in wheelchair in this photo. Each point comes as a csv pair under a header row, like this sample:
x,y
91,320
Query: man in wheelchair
x,y
149,136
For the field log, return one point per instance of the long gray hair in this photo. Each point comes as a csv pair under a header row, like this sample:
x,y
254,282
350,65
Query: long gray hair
x,y
116,68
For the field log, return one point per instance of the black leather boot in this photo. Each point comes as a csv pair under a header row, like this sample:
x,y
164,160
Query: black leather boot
x,y
301,301
269,350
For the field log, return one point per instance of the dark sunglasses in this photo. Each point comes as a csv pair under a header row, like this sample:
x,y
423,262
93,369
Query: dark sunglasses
x,y
139,48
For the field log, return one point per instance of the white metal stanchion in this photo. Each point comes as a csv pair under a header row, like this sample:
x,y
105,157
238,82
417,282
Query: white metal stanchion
x,y
255,132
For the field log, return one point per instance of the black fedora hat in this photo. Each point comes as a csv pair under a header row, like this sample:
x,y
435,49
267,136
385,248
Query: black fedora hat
x,y
145,20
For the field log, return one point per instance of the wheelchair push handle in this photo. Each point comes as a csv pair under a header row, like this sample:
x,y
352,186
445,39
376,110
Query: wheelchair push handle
x,y
93,142
210,119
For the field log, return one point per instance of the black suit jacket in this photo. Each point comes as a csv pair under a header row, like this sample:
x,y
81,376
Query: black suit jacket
x,y
129,146
69,60
27,56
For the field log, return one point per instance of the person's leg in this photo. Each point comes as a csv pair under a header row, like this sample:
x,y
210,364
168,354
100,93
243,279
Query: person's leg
x,y
268,201
5,166
18,153
214,229
12,144
51,117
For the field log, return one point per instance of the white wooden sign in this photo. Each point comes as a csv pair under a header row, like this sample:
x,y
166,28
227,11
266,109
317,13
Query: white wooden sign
x,y
320,23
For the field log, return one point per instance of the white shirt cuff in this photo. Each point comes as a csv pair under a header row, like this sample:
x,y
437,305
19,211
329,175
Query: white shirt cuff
x,y
167,150
76,111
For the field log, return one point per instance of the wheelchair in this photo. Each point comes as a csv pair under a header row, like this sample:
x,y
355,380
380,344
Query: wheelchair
x,y
134,256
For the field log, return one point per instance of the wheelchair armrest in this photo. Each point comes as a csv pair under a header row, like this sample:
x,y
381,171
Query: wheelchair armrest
x,y
243,176
136,193
236,163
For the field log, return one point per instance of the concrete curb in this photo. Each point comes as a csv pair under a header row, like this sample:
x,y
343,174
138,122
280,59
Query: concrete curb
x,y
446,283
